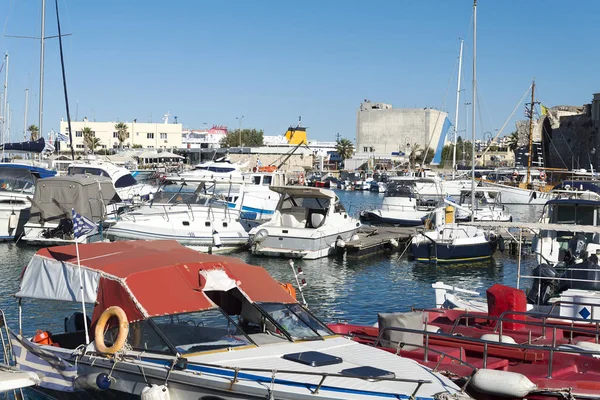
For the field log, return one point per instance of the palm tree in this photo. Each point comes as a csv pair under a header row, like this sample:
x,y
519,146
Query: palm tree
x,y
416,149
33,131
122,134
513,141
94,143
88,135
344,148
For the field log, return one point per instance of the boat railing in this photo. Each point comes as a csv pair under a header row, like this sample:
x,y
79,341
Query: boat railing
x,y
323,375
486,343
7,352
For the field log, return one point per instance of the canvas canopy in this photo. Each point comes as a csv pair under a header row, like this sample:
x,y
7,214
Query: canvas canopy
x,y
36,146
144,278
88,195
304,191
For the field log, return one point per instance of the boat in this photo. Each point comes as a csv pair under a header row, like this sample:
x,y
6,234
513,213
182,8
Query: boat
x,y
378,186
488,206
308,223
401,206
126,186
221,168
230,332
17,183
196,214
51,216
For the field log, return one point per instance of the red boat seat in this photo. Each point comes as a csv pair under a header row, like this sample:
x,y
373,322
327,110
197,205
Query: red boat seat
x,y
503,298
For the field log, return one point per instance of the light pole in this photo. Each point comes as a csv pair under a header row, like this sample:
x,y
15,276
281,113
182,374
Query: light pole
x,y
240,128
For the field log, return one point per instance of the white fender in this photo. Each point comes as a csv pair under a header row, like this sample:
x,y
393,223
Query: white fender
x,y
216,239
493,337
156,392
502,383
340,243
13,221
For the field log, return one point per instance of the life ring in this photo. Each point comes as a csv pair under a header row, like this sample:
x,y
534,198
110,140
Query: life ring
x,y
288,287
117,312
255,169
542,176
301,179
42,337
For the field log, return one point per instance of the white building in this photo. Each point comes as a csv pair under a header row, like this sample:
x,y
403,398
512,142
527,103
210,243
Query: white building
x,y
204,139
147,135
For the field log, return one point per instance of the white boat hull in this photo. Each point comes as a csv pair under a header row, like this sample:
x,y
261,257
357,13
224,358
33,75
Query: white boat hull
x,y
515,195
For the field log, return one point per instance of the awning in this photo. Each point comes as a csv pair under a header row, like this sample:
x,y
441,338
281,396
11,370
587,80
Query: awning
x,y
304,191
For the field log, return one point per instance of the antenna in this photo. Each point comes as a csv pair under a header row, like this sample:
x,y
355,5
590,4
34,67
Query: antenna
x,y
166,118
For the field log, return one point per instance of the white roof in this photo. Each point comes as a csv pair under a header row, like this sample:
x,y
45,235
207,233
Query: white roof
x,y
303,191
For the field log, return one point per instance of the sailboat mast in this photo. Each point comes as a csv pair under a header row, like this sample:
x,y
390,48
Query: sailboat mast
x,y
25,118
41,103
457,108
5,112
473,110
528,181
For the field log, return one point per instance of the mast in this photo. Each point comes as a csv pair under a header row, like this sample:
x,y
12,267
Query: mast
x,y
528,181
457,107
5,115
25,118
473,110
41,103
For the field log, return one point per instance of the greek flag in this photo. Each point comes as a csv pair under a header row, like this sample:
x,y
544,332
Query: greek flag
x,y
61,138
81,224
54,372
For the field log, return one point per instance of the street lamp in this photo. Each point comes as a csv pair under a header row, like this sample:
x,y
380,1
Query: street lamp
x,y
240,128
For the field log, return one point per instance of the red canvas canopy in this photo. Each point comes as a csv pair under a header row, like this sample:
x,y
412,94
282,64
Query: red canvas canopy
x,y
144,278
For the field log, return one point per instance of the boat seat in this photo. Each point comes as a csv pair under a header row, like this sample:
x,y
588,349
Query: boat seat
x,y
290,221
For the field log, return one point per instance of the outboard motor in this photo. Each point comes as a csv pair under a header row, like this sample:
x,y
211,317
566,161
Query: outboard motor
x,y
576,249
586,275
541,289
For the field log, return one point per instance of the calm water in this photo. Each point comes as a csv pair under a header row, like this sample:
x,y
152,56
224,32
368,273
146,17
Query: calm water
x,y
338,289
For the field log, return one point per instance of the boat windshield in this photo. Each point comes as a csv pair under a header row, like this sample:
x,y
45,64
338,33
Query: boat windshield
x,y
575,214
201,331
88,171
16,180
295,321
125,181
306,202
395,189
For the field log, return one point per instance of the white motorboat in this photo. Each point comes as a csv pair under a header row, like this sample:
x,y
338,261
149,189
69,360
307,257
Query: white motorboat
x,y
488,206
401,206
17,184
308,223
196,326
125,184
221,168
51,219
197,215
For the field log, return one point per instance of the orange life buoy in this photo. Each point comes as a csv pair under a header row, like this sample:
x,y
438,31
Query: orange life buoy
x,y
117,312
268,168
301,179
288,287
42,337
543,175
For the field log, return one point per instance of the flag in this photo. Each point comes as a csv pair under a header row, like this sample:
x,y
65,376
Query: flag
x,y
61,137
48,147
544,109
81,224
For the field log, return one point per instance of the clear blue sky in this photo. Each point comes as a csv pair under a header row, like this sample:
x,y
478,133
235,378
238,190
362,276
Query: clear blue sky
x,y
272,61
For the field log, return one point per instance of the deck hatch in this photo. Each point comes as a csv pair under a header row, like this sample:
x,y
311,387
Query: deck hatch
x,y
313,358
369,372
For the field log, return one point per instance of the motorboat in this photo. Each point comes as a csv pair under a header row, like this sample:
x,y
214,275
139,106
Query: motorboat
x,y
378,186
308,223
401,206
488,206
190,325
197,215
445,241
17,184
51,216
126,186
259,201
221,168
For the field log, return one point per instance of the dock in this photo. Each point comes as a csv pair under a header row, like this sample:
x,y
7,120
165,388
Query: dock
x,y
376,239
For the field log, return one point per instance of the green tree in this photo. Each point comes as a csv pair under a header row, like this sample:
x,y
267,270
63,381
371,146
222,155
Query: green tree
x,y
513,141
94,144
345,148
88,135
420,154
122,134
33,132
250,138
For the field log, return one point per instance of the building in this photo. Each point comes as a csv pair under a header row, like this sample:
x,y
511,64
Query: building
x,y
204,139
147,135
386,132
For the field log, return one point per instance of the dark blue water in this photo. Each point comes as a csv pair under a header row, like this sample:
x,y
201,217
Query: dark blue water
x,y
338,289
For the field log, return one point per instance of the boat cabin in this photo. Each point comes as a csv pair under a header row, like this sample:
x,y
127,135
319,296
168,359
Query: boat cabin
x,y
301,207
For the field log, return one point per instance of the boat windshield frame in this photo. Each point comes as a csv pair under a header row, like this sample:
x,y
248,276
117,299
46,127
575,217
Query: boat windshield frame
x,y
12,178
283,315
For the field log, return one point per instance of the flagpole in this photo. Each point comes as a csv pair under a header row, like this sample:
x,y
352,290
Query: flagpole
x,y
87,336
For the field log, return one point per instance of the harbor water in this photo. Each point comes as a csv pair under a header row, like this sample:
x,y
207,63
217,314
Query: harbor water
x,y
338,289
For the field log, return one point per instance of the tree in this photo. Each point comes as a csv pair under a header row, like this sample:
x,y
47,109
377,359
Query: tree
x,y
33,131
513,140
250,138
94,143
345,148
88,135
419,156
122,134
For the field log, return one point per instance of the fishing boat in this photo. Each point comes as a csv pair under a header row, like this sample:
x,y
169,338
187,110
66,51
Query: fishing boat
x,y
308,223
230,332
17,183
259,200
51,216
488,206
196,214
401,206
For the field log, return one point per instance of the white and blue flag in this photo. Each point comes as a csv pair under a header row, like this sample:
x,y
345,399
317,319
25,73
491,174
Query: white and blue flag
x,y
61,137
81,225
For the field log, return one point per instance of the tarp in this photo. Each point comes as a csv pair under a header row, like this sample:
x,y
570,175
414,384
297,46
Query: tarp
x,y
437,158
88,195
144,278
32,147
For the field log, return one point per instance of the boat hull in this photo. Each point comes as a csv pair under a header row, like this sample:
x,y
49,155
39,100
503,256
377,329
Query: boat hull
x,y
291,245
515,195
381,218
448,253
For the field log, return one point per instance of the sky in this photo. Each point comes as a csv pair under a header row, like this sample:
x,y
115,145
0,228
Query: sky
x,y
208,62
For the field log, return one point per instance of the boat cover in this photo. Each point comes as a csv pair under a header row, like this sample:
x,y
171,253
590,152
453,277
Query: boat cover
x,y
144,278
36,146
88,195
38,172
304,191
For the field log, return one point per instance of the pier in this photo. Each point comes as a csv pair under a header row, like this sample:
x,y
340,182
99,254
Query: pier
x,y
372,239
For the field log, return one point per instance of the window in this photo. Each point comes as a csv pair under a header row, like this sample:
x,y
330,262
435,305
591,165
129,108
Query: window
x,y
125,181
149,135
116,135
295,320
163,135
79,146
87,170
78,133
267,180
